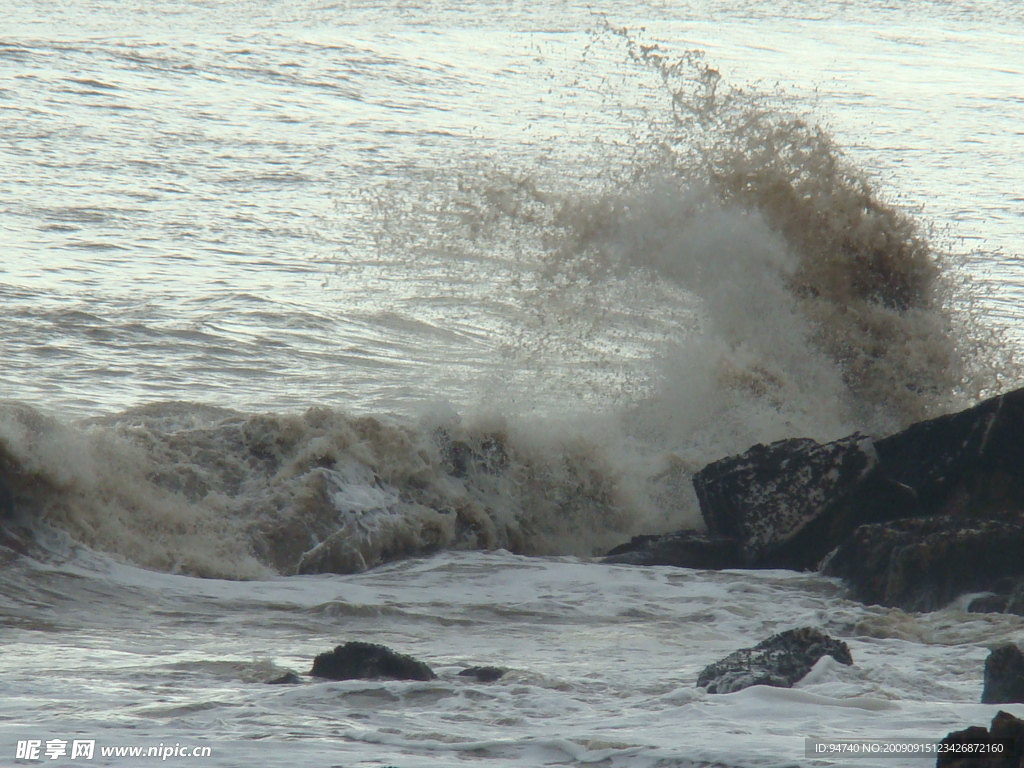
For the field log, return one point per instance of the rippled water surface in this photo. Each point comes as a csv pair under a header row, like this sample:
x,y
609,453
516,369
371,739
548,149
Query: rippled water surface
x,y
238,203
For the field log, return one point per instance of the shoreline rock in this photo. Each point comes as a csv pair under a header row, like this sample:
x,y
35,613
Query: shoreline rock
x,y
768,498
1005,728
484,674
924,564
288,678
1004,676
912,520
780,661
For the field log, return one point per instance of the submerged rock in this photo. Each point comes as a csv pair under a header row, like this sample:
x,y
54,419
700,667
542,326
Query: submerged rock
x,y
1004,742
1004,676
923,564
288,678
484,674
366,661
779,661
684,549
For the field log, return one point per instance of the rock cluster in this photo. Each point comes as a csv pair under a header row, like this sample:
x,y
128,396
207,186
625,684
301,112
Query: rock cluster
x,y
773,499
357,660
912,520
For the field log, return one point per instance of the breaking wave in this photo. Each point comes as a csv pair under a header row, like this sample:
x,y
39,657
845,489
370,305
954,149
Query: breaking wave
x,y
736,278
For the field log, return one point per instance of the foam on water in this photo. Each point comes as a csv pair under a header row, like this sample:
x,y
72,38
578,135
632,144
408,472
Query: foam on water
x,y
602,663
207,491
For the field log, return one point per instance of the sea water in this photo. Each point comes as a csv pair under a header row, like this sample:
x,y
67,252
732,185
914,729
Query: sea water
x,y
264,265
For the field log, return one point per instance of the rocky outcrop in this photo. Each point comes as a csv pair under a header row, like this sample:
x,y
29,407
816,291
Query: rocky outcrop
x,y
789,503
911,520
684,549
988,604
923,564
367,661
1004,676
772,498
1002,743
779,661
967,463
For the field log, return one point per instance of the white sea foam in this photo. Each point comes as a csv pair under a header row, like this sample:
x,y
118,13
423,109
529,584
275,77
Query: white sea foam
x,y
602,663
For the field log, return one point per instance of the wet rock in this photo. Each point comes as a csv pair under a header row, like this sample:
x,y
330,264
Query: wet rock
x,y
6,498
1003,741
288,678
484,674
366,661
779,661
777,499
988,604
968,463
792,502
684,549
923,564
1004,676
1008,598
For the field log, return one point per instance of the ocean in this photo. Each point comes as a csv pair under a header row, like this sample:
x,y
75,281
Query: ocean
x,y
329,321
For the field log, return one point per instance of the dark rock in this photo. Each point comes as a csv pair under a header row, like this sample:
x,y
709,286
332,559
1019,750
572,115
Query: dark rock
x,y
957,758
774,499
988,604
923,564
1009,728
779,661
790,503
1004,741
6,498
1008,598
484,674
932,457
366,661
288,678
684,549
969,463
1004,676
1015,602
